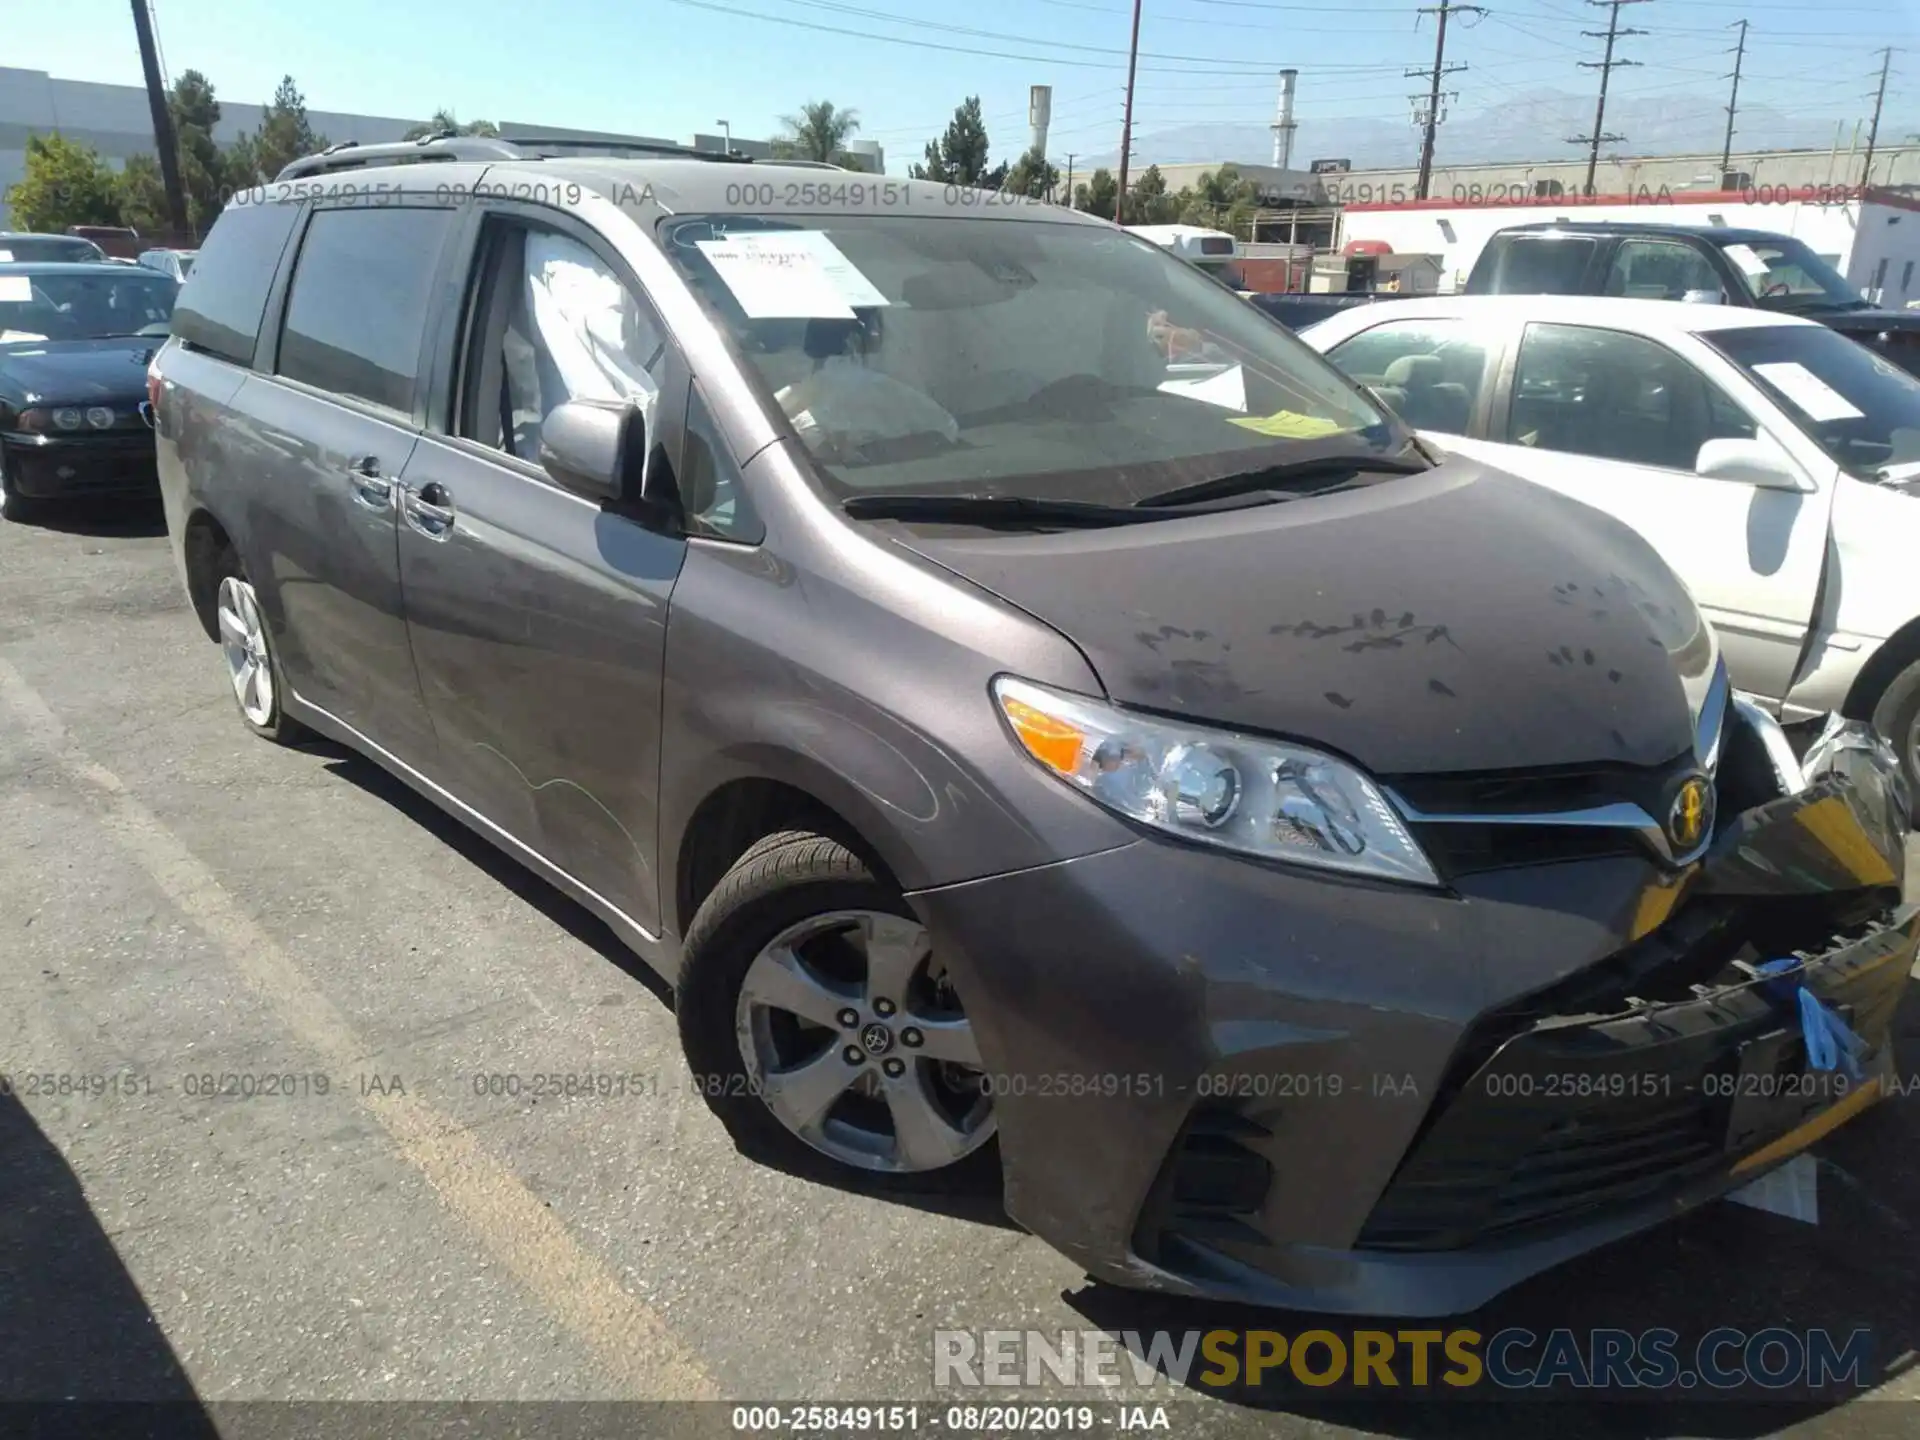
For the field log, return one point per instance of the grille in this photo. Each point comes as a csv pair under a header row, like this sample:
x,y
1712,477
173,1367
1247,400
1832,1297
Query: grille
x,y
1211,1186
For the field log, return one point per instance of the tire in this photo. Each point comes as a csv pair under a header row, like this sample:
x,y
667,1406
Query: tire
x,y
1897,717
242,627
18,508
926,1127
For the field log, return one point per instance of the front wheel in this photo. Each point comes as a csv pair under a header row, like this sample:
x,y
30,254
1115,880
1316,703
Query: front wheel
x,y
1897,717
823,1029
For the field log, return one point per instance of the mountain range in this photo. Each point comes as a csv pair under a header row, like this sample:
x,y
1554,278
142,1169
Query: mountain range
x,y
1532,126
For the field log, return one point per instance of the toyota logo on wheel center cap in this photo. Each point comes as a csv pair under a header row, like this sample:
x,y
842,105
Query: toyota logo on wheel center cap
x,y
875,1038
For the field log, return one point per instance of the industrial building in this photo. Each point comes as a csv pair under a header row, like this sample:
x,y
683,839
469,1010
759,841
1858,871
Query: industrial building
x,y
115,121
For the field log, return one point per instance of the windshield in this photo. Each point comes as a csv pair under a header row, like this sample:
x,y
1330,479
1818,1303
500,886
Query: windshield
x,y
1783,274
48,305
940,356
1863,410
49,249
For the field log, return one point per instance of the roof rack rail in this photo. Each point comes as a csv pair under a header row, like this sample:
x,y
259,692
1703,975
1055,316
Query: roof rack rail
x,y
446,145
637,147
351,155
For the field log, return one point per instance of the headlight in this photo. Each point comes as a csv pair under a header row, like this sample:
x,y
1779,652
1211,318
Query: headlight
x,y
100,417
1258,797
68,418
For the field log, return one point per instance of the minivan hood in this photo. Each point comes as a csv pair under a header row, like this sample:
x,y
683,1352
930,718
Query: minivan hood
x,y
1455,621
78,371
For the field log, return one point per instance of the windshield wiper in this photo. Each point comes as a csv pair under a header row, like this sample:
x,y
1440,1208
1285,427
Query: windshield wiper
x,y
992,510
1273,477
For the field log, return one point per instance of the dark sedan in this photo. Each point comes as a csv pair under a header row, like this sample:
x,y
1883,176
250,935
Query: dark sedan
x,y
75,341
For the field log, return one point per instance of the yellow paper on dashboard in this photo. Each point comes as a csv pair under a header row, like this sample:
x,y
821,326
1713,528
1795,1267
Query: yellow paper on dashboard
x,y
1288,425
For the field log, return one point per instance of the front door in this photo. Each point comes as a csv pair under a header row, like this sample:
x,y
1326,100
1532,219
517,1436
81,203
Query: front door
x,y
1617,420
333,429
538,618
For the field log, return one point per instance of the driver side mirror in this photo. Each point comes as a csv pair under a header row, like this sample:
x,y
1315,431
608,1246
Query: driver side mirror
x,y
1750,462
595,448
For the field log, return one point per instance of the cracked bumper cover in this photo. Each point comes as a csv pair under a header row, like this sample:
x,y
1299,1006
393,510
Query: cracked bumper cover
x,y
1225,1079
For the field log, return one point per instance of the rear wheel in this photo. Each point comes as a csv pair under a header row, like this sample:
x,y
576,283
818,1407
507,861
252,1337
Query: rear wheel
x,y
253,670
822,1028
1897,717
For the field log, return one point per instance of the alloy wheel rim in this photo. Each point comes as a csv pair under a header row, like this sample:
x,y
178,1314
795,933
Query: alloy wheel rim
x,y
853,1038
243,640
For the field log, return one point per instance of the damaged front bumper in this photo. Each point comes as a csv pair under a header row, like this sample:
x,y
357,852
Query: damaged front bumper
x,y
1230,1080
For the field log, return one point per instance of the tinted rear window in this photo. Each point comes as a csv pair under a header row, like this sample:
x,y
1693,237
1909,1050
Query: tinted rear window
x,y
358,303
1534,265
220,307
48,248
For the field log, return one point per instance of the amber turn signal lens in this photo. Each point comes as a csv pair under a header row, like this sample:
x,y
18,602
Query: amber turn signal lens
x,y
1054,743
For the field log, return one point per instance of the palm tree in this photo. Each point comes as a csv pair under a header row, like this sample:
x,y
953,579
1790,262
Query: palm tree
x,y
820,130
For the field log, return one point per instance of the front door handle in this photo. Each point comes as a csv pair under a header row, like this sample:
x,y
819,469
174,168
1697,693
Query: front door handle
x,y
370,487
429,509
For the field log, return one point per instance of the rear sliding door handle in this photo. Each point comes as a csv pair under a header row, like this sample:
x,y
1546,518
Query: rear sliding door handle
x,y
370,487
429,509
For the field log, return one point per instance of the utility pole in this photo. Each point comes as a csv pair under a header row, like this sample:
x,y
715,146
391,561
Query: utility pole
x,y
1430,117
1733,102
1606,67
1873,130
1126,124
163,140
1070,179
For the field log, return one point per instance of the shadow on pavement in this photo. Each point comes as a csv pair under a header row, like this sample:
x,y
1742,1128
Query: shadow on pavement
x,y
981,1208
1725,1265
73,1325
113,517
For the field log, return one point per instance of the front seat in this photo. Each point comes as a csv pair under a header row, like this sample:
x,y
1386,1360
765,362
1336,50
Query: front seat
x,y
1432,401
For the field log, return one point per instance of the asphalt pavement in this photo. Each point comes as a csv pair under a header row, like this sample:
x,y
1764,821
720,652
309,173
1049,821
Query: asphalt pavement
x,y
270,1024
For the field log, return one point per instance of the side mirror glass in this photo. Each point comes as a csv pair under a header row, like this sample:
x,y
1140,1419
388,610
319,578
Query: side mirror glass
x,y
1750,462
586,446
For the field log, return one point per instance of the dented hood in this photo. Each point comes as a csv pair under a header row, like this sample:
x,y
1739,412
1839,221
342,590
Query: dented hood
x,y
1457,620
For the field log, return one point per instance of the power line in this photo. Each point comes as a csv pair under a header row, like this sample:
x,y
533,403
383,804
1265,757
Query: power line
x,y
1733,101
1429,119
1606,67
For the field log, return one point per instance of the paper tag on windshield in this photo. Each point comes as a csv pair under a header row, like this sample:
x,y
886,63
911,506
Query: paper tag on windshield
x,y
1288,425
774,280
17,289
1743,256
1819,400
5,256
853,286
18,337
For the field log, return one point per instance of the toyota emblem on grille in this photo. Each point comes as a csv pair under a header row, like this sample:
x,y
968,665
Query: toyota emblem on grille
x,y
1690,816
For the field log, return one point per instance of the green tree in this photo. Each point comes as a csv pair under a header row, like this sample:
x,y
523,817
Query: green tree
x,y
443,123
1098,194
1031,176
285,134
1222,199
66,183
1151,203
141,195
959,156
820,131
203,168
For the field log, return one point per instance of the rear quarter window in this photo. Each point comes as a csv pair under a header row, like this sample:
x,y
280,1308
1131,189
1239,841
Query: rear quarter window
x,y
220,307
1533,265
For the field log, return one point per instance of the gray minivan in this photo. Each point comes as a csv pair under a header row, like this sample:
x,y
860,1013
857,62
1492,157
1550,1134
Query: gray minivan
x,y
1048,726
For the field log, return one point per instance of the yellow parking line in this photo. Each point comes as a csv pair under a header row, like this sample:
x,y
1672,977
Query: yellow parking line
x,y
632,1341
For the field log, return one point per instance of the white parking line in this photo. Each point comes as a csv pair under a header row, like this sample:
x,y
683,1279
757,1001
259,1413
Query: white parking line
x,y
632,1341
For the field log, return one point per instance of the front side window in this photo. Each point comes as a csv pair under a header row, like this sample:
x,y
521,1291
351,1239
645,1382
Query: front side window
x,y
84,305
1661,270
1615,396
358,303
1429,371
1860,408
561,326
1040,359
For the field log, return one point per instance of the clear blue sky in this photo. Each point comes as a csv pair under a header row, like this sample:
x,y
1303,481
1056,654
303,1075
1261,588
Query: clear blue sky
x,y
669,67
